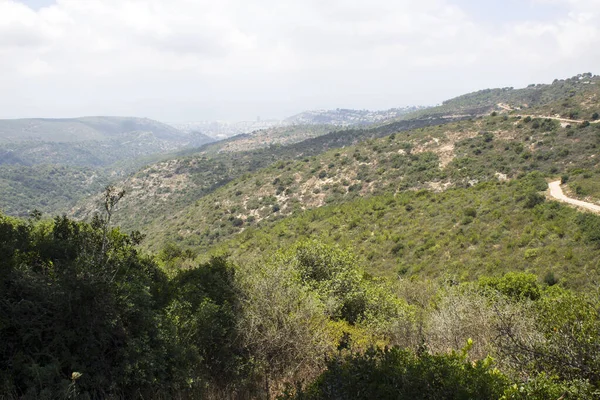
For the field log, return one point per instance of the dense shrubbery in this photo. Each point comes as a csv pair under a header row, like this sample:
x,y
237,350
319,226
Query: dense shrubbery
x,y
84,315
426,234
81,313
401,374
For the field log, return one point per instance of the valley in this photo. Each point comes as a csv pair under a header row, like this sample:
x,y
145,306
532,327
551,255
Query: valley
x,y
459,241
299,200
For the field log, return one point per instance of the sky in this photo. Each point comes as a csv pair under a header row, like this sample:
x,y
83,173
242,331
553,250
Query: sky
x,y
193,60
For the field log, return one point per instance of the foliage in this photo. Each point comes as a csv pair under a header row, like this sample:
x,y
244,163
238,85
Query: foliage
x,y
204,309
283,323
421,234
400,374
70,309
542,387
515,285
417,159
45,187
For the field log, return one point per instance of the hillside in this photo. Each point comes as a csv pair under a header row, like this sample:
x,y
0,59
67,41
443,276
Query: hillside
x,y
460,234
349,117
49,164
567,97
89,141
262,138
191,201
51,189
435,158
172,185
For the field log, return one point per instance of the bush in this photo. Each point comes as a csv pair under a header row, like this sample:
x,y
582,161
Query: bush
x,y
532,199
400,374
516,285
78,302
590,226
470,212
543,387
550,279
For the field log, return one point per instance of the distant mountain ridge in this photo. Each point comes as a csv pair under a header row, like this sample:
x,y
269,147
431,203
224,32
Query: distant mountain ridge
x,y
82,129
339,117
48,164
348,117
89,141
226,129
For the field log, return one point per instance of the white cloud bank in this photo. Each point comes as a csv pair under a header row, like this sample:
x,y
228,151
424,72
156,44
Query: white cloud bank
x,y
181,60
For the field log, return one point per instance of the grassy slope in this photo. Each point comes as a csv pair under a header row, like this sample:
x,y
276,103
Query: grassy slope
x,y
202,199
458,234
453,155
168,187
584,185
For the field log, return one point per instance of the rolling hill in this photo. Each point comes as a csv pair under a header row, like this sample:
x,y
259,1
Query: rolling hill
x,y
427,247
202,199
49,164
82,129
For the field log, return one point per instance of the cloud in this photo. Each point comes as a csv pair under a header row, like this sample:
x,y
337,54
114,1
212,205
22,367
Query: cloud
x,y
195,59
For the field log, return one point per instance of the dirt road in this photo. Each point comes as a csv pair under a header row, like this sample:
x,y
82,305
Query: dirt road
x,y
567,120
557,193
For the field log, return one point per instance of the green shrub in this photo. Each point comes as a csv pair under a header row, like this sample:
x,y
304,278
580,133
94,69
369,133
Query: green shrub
x,y
400,374
544,387
532,199
516,285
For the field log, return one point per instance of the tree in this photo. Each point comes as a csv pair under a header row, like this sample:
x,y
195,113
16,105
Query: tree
x,y
64,315
283,324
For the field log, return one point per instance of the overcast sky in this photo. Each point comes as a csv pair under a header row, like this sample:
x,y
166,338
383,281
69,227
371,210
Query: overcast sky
x,y
191,60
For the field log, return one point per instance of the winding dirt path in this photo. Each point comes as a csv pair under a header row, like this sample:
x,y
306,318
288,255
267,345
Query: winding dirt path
x,y
557,193
567,120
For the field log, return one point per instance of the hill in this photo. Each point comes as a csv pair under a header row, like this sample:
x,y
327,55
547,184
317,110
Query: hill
x,y
172,185
568,97
349,117
89,141
435,158
263,138
190,200
82,129
49,164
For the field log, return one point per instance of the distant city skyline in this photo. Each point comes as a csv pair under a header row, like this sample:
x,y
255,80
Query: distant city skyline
x,y
233,60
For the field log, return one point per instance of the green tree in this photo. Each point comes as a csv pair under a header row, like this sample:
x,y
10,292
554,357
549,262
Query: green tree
x,y
400,374
64,314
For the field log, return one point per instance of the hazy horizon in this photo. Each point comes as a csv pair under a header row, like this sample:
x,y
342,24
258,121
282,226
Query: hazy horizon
x,y
186,61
